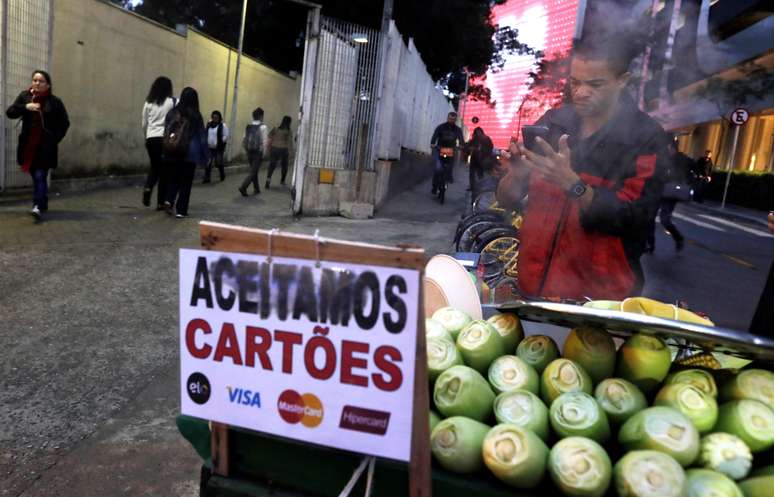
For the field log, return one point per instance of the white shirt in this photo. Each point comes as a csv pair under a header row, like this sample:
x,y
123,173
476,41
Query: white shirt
x,y
153,116
212,135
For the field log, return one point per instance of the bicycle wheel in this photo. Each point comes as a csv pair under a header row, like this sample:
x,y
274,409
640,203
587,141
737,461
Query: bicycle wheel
x,y
471,234
472,219
486,202
490,235
505,250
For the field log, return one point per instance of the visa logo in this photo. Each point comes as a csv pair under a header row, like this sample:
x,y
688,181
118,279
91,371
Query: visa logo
x,y
244,397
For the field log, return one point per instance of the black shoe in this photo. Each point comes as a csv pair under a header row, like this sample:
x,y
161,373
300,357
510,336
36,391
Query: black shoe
x,y
242,191
222,178
146,194
679,245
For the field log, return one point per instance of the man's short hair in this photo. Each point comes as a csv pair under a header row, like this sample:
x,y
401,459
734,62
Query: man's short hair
x,y
618,49
452,114
258,113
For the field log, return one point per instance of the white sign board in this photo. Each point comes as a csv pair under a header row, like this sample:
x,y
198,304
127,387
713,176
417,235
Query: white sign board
x,y
323,355
740,116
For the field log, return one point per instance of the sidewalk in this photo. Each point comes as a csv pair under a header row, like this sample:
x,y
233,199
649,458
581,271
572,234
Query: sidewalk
x,y
89,365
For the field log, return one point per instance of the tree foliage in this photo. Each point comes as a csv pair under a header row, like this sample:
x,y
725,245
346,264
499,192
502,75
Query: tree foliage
x,y
756,82
451,35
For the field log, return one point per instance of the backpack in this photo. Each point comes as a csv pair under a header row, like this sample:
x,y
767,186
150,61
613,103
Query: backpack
x,y
177,137
253,141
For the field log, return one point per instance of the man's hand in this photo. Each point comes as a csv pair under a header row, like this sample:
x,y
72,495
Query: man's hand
x,y
553,166
33,107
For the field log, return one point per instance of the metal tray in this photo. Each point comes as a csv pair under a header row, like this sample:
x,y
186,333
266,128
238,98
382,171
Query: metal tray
x,y
623,324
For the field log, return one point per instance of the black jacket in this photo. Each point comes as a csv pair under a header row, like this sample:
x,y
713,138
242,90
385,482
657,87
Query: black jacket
x,y
447,135
571,254
55,125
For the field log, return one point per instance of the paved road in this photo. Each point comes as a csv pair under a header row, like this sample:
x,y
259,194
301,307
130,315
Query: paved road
x,y
722,269
88,351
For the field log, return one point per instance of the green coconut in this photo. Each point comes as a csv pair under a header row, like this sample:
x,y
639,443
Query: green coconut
x,y
696,377
753,384
456,444
708,483
480,344
593,349
509,372
577,414
510,329
757,486
580,467
522,408
538,351
649,473
620,399
750,420
700,407
462,391
644,360
435,329
562,376
515,455
441,355
452,319
663,429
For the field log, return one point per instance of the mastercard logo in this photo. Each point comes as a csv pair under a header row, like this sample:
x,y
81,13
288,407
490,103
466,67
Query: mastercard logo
x,y
295,408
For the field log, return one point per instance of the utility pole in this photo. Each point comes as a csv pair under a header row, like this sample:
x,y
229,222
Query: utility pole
x,y
236,76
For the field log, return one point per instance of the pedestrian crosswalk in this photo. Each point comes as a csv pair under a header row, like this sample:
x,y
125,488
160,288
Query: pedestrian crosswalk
x,y
719,224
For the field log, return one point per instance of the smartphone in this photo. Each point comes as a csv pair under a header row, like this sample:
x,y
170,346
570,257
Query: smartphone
x,y
529,133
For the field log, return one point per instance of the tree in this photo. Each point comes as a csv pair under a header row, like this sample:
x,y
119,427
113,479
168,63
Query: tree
x,y
755,81
451,35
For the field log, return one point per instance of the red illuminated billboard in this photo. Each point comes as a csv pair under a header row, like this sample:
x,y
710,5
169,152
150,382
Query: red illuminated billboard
x,y
545,25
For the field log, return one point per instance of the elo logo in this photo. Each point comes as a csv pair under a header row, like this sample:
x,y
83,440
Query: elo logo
x,y
244,397
296,408
198,387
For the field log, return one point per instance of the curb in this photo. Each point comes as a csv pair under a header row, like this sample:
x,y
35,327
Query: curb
x,y
81,185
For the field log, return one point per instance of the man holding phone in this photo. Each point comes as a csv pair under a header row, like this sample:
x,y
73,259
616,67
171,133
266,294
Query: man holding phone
x,y
594,177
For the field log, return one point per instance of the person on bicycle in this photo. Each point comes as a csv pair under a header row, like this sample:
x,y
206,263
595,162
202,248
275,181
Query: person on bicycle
x,y
593,186
480,148
446,136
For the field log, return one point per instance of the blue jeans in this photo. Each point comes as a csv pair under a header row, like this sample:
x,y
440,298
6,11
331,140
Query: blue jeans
x,y
40,184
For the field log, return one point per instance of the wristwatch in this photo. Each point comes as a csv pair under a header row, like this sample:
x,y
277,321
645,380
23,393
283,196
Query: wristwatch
x,y
577,190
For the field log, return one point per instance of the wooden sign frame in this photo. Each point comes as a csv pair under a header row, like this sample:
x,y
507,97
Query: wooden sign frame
x,y
229,238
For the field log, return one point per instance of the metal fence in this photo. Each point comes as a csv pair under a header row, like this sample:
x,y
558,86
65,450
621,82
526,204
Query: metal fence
x,y
341,129
25,46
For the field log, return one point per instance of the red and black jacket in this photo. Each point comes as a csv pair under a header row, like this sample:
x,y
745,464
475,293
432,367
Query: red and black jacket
x,y
571,254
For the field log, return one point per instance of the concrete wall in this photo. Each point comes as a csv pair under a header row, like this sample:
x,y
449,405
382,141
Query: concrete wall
x,y
412,104
104,61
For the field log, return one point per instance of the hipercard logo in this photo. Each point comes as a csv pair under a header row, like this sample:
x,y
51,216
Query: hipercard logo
x,y
198,387
244,397
296,408
365,420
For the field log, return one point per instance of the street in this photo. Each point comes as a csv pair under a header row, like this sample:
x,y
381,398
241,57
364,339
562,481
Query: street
x,y
88,355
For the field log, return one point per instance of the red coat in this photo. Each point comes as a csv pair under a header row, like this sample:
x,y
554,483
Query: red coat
x,y
571,254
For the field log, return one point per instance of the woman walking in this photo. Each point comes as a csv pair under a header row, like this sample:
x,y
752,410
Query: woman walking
x,y
44,124
217,137
185,146
281,143
157,104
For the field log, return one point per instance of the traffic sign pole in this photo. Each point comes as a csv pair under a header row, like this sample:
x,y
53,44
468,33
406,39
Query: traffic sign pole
x,y
738,118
